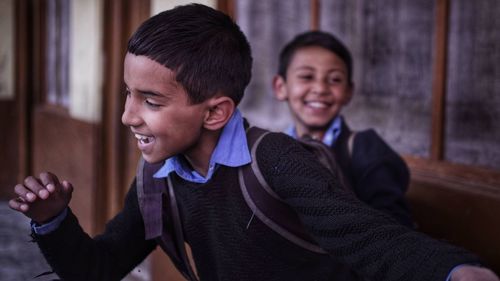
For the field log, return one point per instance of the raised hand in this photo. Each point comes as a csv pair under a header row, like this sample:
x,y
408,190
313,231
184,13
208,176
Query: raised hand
x,y
473,273
41,198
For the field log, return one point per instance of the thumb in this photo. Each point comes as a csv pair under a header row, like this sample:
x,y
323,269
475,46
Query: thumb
x,y
67,187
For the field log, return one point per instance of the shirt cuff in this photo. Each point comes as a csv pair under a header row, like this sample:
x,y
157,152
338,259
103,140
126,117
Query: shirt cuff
x,y
50,226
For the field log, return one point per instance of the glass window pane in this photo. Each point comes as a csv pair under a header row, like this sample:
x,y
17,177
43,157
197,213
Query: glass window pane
x,y
473,95
391,42
57,55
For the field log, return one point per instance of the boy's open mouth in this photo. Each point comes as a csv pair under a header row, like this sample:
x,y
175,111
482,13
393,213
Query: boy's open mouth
x,y
143,139
317,104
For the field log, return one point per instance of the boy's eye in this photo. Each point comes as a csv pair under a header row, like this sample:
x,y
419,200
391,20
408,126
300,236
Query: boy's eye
x,y
335,80
151,104
305,77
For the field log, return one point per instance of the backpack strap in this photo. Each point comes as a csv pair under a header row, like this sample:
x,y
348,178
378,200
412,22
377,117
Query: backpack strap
x,y
266,204
320,150
179,236
150,199
156,211
350,143
326,157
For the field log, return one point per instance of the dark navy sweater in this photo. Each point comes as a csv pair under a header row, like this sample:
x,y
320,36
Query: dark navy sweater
x,y
228,243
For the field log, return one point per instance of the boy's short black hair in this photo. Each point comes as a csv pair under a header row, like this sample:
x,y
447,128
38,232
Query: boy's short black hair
x,y
204,47
314,38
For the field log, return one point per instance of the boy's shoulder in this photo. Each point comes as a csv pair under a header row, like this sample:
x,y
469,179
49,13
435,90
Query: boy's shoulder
x,y
370,150
369,142
276,150
272,143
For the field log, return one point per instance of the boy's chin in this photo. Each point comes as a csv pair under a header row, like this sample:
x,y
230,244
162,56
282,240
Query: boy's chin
x,y
318,126
153,160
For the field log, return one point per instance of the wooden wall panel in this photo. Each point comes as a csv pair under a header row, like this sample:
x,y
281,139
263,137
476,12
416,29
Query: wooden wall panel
x,y
67,147
118,152
268,25
391,43
9,148
471,131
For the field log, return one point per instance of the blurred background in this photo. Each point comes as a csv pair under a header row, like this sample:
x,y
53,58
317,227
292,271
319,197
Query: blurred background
x,y
426,73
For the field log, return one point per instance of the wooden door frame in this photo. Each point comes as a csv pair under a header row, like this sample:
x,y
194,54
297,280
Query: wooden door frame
x,y
28,23
118,155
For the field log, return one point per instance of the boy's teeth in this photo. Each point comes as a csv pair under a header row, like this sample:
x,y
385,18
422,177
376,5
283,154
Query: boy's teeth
x,y
316,104
142,139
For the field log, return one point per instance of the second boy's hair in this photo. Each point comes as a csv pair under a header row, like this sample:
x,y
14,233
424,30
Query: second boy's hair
x,y
314,38
207,51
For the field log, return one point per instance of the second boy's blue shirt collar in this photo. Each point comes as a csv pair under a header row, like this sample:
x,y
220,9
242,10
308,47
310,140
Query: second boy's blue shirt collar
x,y
331,134
231,150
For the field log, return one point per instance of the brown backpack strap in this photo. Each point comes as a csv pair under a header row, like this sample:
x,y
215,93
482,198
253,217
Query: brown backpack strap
x,y
350,143
179,235
266,204
150,199
156,211
322,152
326,157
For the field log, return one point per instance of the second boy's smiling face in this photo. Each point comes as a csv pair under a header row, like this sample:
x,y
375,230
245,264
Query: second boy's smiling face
x,y
316,88
158,110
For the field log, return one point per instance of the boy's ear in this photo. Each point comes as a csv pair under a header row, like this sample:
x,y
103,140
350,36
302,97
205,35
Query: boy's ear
x,y
220,110
279,88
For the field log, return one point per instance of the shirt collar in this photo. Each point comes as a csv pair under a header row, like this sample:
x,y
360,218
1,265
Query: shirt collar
x,y
330,136
231,150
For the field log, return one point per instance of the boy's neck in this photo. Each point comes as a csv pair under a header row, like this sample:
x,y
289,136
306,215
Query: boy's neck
x,y
199,155
315,134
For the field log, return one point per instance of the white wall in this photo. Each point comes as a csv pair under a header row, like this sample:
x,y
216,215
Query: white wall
x,y
86,60
86,55
7,49
162,5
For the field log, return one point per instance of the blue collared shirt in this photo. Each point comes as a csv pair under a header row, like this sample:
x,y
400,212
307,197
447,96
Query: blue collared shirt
x,y
330,136
231,150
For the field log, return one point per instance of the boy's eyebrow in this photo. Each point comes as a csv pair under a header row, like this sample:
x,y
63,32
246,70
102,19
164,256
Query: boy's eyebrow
x,y
149,93
303,67
306,67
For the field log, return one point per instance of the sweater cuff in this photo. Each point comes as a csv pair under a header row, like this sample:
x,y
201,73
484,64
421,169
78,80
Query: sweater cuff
x,y
51,226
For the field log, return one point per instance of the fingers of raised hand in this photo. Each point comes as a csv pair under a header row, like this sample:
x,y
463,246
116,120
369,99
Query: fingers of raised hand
x,y
18,204
24,193
67,187
50,181
36,187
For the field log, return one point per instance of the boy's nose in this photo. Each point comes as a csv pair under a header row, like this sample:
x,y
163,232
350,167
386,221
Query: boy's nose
x,y
320,87
130,116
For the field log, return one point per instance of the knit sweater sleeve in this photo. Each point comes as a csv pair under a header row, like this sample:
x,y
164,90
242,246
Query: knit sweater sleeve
x,y
367,240
74,255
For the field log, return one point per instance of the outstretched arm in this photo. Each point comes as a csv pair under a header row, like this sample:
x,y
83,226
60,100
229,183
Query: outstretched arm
x,y
368,241
71,252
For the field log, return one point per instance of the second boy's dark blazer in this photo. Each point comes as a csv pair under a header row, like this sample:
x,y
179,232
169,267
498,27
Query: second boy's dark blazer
x,y
377,174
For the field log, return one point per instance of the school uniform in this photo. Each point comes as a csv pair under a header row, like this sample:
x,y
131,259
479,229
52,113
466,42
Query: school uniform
x,y
229,243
